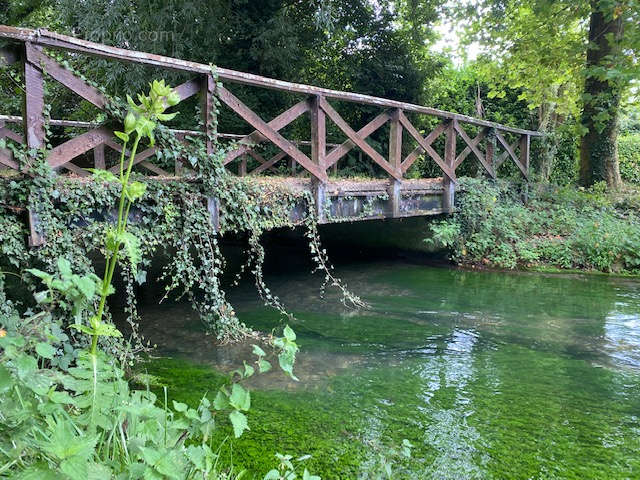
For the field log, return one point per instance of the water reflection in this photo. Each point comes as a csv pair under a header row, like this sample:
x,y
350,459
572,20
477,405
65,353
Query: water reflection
x,y
491,375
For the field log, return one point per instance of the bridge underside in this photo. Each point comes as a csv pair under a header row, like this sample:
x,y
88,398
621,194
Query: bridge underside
x,y
367,199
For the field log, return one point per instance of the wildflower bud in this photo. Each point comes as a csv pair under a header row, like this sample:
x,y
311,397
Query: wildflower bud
x,y
129,122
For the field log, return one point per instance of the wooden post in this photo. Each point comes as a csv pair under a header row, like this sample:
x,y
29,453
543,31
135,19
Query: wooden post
x,y
318,153
209,119
292,166
448,197
395,159
34,131
98,157
490,154
242,166
525,144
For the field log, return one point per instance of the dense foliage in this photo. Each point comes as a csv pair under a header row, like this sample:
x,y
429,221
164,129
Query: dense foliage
x,y
559,227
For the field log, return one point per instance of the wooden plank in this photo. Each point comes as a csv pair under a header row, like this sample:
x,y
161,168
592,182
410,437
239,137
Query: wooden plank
x,y
155,169
81,172
34,132
278,123
467,150
98,157
68,79
269,163
318,133
188,89
345,147
8,133
427,147
448,195
256,122
395,141
70,149
359,141
510,152
474,149
207,111
429,139
6,159
491,153
56,40
525,145
140,157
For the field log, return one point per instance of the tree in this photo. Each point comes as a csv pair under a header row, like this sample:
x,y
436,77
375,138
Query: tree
x,y
573,59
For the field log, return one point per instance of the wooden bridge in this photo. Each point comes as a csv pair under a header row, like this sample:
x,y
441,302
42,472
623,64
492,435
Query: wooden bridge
x,y
391,197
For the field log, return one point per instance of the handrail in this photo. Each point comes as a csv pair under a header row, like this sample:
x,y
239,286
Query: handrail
x,y
46,38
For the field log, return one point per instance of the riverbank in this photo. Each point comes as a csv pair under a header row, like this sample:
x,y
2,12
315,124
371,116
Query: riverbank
x,y
558,229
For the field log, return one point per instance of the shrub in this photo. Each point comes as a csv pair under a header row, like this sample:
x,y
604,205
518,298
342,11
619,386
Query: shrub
x,y
629,155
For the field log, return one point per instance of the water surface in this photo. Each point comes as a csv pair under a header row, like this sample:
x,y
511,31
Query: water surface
x,y
489,375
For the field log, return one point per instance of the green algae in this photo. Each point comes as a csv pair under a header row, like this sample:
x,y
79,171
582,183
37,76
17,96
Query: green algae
x,y
489,375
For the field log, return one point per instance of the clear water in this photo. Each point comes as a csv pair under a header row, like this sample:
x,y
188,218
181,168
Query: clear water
x,y
489,375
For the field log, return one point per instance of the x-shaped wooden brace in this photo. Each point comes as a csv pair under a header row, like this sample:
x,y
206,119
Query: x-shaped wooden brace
x,y
425,145
509,151
265,164
268,131
472,145
357,139
62,155
6,155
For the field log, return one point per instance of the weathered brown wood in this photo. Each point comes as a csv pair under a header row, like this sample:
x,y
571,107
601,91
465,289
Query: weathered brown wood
x,y
278,123
355,138
491,152
155,169
318,132
9,55
395,159
51,39
34,100
256,122
81,172
481,156
510,152
268,164
207,109
188,89
429,139
467,150
525,145
448,195
6,159
345,147
70,149
140,157
68,79
427,147
8,133
98,157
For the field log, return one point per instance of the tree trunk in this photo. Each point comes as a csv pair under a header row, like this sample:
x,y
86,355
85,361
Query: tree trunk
x,y
599,146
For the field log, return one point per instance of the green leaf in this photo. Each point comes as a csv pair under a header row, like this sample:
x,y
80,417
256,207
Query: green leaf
x,y
64,267
248,370
272,475
239,423
6,382
221,401
165,117
45,350
44,276
132,247
107,330
263,366
82,328
240,398
135,190
86,285
122,136
100,175
258,351
180,407
289,334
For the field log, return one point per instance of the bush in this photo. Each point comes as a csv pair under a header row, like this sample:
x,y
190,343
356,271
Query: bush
x,y
629,154
560,227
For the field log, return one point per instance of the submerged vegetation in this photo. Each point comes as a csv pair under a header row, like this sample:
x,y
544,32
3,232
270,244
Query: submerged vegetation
x,y
558,227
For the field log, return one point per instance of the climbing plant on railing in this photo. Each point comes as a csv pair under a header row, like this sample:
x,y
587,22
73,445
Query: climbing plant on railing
x,y
169,214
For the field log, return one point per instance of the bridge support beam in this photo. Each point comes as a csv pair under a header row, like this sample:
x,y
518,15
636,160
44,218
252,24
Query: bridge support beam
x,y
448,195
318,154
395,159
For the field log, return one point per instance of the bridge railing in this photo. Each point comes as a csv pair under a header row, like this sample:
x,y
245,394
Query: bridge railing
x,y
28,48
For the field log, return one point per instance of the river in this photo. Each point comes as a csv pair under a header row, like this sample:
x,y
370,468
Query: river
x,y
489,375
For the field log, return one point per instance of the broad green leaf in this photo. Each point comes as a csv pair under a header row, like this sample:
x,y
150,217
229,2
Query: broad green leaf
x,y
221,401
263,366
135,190
64,267
248,370
86,286
122,136
239,423
44,276
240,398
258,351
289,334
6,382
107,330
179,407
132,248
45,350
101,175
272,475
